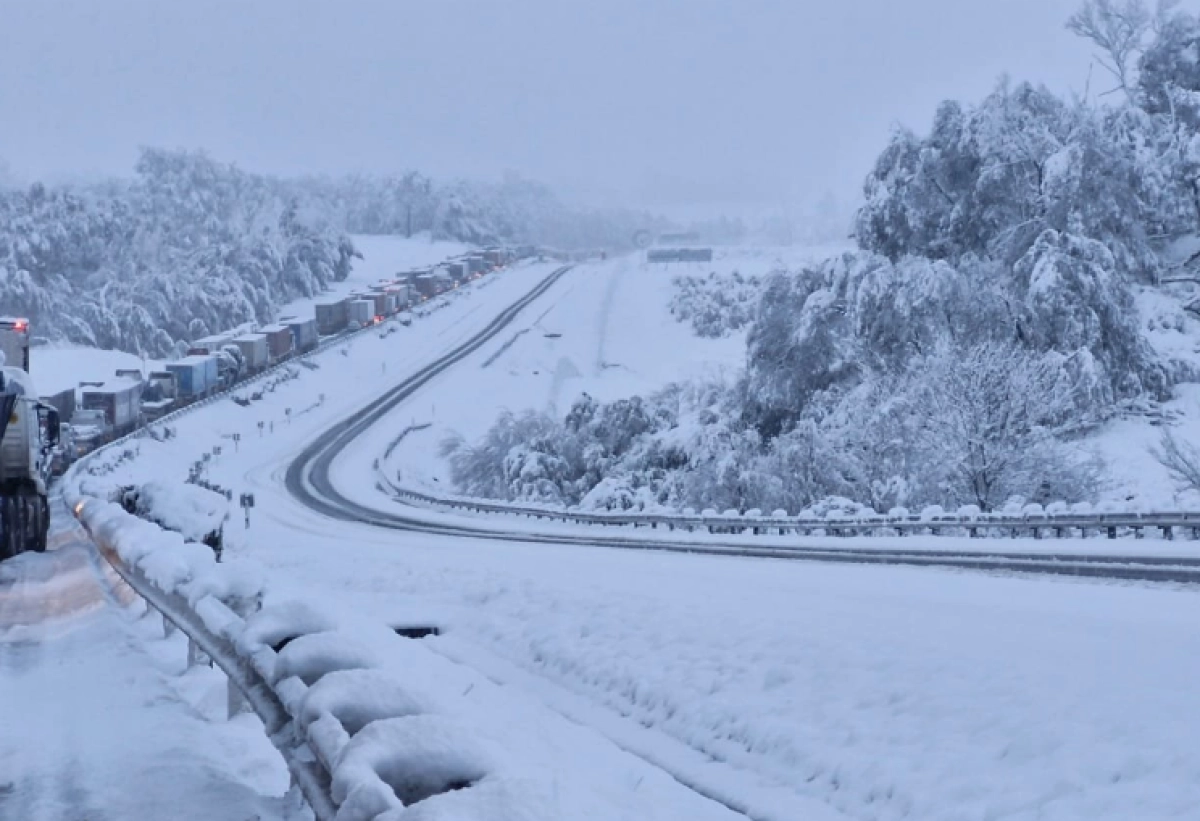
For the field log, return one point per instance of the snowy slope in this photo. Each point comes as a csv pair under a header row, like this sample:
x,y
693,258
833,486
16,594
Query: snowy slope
x,y
606,331
382,258
1135,478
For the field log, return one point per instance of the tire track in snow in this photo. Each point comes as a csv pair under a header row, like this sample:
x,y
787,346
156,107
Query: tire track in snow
x,y
690,767
604,320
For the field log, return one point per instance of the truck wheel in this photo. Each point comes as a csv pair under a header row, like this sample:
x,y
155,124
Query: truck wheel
x,y
14,542
40,509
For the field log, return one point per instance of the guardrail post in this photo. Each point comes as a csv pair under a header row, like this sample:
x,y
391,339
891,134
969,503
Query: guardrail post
x,y
1168,532
169,627
1112,531
195,656
235,702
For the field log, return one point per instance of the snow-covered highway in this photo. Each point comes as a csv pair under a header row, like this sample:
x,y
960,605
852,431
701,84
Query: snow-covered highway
x,y
657,685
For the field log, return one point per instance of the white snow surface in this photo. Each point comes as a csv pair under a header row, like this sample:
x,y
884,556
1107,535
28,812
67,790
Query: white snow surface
x,y
55,368
643,684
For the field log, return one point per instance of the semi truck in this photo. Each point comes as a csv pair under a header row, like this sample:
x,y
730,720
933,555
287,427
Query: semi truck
x,y
121,402
279,342
29,432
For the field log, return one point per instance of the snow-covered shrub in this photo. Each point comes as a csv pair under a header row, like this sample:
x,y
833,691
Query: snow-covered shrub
x,y
517,459
1181,459
715,305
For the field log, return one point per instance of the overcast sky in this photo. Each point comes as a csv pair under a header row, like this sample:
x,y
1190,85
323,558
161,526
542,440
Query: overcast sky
x,y
650,102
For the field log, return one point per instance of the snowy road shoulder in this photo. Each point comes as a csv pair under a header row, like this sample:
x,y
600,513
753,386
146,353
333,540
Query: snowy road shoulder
x,y
102,722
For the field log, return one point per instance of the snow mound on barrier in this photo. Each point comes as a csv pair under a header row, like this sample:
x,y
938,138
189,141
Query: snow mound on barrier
x,y
357,698
285,620
404,761
310,657
188,509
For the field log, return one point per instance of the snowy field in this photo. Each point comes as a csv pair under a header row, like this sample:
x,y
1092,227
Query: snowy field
x,y
787,689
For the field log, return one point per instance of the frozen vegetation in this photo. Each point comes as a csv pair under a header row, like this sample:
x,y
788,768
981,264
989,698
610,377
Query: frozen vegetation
x,y
715,305
191,246
988,318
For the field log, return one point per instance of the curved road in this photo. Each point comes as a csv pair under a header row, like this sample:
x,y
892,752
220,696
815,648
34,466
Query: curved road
x,y
308,480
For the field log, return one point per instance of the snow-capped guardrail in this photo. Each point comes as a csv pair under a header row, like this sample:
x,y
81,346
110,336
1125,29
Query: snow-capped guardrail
x,y
358,746
1031,520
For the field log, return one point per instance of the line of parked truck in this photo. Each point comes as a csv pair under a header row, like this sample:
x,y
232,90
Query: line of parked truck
x,y
95,413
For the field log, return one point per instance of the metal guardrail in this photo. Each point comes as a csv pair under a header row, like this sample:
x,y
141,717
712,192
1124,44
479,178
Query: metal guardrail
x,y
1060,525
246,683
323,701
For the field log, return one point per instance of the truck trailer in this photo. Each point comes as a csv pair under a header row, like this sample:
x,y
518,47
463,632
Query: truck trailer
x,y
332,317
256,352
304,334
279,342
195,376
28,434
63,402
14,342
362,312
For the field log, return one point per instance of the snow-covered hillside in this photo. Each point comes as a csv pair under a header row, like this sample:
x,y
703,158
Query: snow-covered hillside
x,y
383,256
56,367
